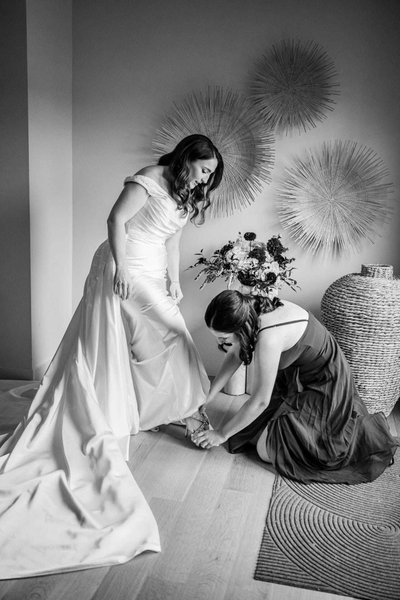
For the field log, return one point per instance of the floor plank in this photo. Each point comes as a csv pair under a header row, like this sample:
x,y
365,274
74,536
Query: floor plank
x,y
241,584
181,550
65,586
210,507
217,550
157,479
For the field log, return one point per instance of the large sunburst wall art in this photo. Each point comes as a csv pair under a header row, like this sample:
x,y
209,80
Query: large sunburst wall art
x,y
293,85
246,145
333,199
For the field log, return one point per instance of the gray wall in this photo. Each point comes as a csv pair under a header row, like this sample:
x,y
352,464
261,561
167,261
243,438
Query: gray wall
x,y
49,35
132,60
36,183
97,108
15,288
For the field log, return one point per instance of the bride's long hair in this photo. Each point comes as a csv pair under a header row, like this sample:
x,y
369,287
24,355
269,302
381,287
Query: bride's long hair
x,y
234,312
191,148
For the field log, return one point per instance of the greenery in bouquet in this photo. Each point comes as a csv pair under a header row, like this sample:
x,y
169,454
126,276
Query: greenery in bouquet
x,y
262,266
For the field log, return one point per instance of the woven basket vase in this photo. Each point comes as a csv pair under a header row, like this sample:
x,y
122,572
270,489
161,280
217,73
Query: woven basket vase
x,y
362,311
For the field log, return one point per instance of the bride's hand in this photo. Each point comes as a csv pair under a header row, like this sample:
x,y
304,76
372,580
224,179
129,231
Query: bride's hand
x,y
208,439
175,291
122,283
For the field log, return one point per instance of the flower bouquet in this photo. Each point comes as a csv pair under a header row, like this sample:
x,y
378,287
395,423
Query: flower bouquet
x,y
261,266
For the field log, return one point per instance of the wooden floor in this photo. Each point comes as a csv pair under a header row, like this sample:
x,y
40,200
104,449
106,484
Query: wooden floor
x,y
210,507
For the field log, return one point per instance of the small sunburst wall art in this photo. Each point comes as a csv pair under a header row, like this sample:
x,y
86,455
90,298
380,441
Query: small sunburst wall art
x,y
246,145
334,198
294,85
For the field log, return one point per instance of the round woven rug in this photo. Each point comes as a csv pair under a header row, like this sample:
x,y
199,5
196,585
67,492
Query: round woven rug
x,y
335,538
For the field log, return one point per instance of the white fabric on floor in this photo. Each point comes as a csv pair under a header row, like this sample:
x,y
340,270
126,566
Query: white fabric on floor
x,y
68,500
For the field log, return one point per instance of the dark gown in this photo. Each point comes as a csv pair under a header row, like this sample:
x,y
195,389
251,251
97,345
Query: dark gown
x,y
318,427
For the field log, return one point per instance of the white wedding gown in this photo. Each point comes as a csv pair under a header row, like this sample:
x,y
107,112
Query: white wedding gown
x,y
68,500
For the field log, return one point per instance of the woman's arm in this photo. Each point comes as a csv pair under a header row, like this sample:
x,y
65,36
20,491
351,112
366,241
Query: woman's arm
x,y
267,356
173,256
130,200
230,364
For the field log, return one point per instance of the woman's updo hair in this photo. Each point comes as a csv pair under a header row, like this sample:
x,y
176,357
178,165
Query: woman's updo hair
x,y
191,148
234,312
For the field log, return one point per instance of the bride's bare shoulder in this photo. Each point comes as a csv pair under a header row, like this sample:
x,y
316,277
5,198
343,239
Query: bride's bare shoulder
x,y
153,171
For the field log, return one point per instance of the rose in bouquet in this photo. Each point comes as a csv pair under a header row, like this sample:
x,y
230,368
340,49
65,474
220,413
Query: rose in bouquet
x,y
261,266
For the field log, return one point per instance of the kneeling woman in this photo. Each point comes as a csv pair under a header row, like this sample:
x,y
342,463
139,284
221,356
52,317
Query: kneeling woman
x,y
304,413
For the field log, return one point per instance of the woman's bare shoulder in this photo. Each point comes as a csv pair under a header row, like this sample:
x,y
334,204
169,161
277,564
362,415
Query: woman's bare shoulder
x,y
282,338
288,312
153,171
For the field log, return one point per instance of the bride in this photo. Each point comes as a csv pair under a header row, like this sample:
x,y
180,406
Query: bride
x,y
67,498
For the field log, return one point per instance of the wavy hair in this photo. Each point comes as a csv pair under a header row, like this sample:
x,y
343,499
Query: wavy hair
x,y
191,148
234,312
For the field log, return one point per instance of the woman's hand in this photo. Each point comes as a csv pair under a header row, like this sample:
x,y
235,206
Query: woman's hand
x,y
122,283
208,439
175,291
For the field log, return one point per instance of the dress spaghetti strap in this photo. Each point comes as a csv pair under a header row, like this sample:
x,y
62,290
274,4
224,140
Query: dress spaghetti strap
x,y
280,324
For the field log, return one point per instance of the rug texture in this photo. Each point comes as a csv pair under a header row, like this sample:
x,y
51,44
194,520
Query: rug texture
x,y
337,539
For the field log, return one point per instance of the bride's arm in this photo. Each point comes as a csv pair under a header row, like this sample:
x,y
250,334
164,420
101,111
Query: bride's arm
x,y
130,200
173,257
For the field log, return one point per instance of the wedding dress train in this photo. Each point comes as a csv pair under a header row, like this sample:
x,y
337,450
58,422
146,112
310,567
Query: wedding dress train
x,y
68,500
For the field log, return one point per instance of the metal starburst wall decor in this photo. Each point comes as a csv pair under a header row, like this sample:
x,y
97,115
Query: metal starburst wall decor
x,y
293,85
333,199
235,128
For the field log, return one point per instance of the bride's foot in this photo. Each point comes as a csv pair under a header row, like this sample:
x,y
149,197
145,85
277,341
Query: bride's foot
x,y
197,422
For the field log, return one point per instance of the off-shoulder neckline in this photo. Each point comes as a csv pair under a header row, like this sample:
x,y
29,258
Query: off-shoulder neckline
x,y
153,181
